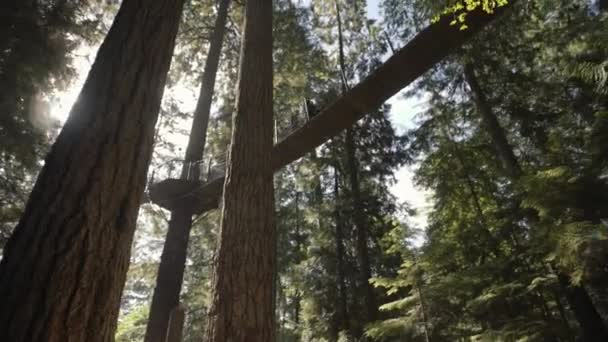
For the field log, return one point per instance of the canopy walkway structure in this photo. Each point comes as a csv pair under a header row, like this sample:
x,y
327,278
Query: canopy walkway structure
x,y
428,48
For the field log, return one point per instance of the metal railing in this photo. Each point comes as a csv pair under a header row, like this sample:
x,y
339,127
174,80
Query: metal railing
x,y
214,167
198,170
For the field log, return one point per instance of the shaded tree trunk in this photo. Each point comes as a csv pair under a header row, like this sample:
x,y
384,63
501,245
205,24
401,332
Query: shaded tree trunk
x,y
353,172
173,258
341,305
489,120
65,266
361,230
245,270
592,325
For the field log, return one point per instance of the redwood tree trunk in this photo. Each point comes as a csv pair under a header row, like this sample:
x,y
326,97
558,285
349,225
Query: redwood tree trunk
x,y
173,258
65,265
243,285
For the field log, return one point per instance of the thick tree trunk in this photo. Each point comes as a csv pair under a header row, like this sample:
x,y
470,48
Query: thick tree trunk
x,y
342,318
65,265
245,270
173,258
489,120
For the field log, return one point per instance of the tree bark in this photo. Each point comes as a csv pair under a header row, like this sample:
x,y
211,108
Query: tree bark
x,y
342,308
173,258
65,265
245,270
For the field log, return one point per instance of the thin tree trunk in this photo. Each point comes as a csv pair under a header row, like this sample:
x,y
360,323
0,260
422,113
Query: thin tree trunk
x,y
361,229
342,308
243,284
65,265
592,325
173,258
353,170
489,120
297,296
424,313
175,330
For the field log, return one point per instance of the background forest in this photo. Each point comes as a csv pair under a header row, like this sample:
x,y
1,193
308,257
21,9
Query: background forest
x,y
510,144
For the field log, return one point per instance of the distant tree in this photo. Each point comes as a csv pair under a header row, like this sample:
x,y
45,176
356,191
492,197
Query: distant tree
x,y
173,258
64,267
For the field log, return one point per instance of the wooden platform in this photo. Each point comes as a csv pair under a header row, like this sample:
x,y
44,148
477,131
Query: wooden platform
x,y
425,50
194,196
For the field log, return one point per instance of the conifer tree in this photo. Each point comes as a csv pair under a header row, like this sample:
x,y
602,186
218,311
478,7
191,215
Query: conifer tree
x,y
64,267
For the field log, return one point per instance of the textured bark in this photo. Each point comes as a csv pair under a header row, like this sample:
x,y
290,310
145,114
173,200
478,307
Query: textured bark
x,y
243,283
65,265
429,47
173,258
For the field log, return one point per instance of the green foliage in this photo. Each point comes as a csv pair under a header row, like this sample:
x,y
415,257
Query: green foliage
x,y
132,327
460,9
593,73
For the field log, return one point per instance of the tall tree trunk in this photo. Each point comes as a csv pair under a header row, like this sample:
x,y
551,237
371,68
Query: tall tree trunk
x,y
173,258
361,230
489,120
592,325
353,171
243,284
341,305
65,265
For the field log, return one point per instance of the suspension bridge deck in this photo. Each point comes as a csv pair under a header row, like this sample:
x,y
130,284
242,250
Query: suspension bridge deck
x,y
425,50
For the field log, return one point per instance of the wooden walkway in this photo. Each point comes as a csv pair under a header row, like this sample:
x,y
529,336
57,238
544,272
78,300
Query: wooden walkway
x,y
428,48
